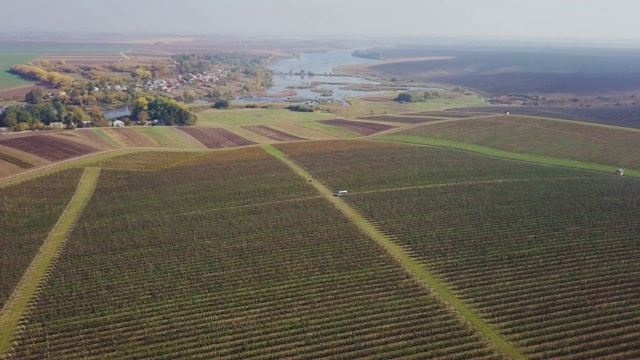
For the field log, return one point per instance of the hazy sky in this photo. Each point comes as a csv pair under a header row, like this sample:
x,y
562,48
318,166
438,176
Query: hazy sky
x,y
583,19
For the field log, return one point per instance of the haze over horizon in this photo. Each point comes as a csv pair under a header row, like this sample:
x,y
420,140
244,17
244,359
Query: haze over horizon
x,y
546,19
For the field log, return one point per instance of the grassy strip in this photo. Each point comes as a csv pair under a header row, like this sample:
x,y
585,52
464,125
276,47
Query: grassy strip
x,y
415,268
241,117
539,159
330,130
28,289
104,135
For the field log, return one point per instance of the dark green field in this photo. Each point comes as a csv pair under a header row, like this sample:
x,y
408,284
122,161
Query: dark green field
x,y
12,53
7,60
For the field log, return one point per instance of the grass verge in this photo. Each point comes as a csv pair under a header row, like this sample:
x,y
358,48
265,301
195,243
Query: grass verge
x,y
27,291
415,268
330,130
538,159
241,117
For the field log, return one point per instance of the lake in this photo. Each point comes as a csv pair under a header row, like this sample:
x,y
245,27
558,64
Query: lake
x,y
319,86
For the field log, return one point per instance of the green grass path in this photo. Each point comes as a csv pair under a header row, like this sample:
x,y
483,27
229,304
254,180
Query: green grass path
x,y
27,290
533,158
415,268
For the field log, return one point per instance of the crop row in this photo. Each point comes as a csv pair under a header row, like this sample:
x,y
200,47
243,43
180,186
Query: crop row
x,y
236,280
218,179
615,147
554,265
359,165
28,212
548,255
15,161
151,160
47,147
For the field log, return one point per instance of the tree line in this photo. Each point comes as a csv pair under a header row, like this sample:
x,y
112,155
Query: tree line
x,y
164,109
39,116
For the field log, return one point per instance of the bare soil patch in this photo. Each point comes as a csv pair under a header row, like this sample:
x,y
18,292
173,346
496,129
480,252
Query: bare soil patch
x,y
48,147
7,169
216,138
272,133
360,127
15,161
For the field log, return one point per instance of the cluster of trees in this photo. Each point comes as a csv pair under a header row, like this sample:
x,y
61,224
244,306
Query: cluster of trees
x,y
301,108
83,94
416,96
39,74
222,104
169,111
38,116
192,63
142,71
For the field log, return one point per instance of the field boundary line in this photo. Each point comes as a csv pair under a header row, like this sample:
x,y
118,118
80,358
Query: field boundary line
x,y
417,140
580,122
87,159
416,269
27,291
476,182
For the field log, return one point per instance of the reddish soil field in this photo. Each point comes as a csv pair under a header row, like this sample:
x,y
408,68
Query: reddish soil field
x,y
47,147
401,119
361,127
271,133
216,138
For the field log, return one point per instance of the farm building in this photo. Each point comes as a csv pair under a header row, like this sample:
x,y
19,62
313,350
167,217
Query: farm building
x,y
620,172
117,123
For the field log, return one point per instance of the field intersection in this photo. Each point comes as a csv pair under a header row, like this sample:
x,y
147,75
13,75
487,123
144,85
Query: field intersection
x,y
212,271
469,236
547,255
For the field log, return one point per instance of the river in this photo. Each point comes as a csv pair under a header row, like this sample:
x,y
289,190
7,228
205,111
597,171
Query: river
x,y
317,87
